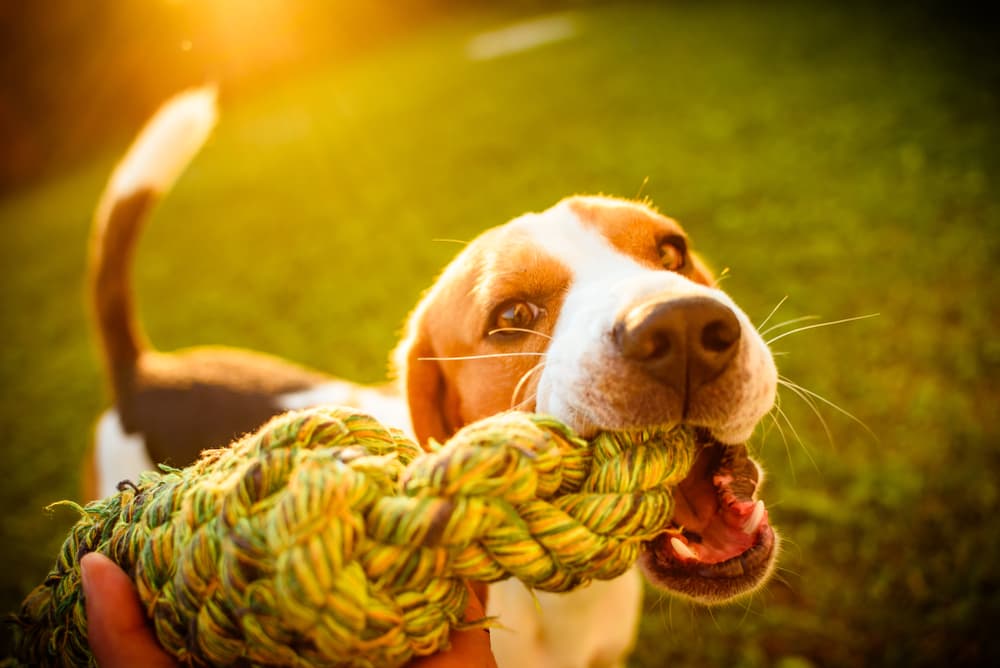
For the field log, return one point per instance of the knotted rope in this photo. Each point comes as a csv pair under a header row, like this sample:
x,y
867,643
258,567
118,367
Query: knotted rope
x,y
327,539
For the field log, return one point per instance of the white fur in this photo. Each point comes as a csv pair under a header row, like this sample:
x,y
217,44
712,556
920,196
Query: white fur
x,y
166,144
596,626
119,456
592,626
390,410
607,283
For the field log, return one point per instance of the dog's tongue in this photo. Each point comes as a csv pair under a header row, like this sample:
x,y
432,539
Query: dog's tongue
x,y
714,510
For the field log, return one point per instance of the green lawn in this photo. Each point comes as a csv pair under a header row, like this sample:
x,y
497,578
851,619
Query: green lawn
x,y
840,157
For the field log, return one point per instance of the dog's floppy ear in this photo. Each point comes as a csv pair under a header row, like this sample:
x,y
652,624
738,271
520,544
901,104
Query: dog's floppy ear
x,y
433,406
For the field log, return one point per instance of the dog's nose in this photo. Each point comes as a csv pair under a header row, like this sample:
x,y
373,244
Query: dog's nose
x,y
684,343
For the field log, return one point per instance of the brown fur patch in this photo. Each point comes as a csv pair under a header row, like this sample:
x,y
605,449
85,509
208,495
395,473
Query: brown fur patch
x,y
636,230
454,320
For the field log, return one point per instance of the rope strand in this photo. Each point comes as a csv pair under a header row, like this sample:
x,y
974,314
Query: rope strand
x,y
326,539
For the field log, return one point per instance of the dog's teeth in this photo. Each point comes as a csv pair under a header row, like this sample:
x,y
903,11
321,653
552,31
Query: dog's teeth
x,y
756,517
682,550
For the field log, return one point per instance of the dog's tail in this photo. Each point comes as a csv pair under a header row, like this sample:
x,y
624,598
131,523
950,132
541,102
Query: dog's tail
x,y
153,163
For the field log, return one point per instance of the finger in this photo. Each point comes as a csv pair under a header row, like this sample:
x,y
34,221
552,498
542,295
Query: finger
x,y
117,629
470,648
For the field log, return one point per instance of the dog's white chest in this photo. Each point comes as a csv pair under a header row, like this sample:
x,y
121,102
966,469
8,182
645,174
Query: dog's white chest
x,y
591,627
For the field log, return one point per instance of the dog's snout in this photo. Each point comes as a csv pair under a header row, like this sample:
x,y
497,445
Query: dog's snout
x,y
684,343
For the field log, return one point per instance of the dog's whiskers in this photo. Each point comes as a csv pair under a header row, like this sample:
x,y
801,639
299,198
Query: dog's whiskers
x,y
479,357
781,413
773,311
785,323
779,576
820,324
715,621
784,440
514,405
521,406
519,329
642,186
795,386
784,382
747,605
798,438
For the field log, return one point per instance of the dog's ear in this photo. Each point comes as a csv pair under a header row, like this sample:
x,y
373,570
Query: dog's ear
x,y
433,406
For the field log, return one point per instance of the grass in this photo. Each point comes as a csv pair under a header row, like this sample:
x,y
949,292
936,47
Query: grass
x,y
835,156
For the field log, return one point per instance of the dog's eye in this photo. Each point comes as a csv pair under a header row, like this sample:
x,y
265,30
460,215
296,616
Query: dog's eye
x,y
673,252
513,316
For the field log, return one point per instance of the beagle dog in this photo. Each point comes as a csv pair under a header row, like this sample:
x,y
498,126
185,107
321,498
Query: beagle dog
x,y
596,311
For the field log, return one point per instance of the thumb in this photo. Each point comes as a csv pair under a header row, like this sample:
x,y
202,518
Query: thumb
x,y
117,629
470,648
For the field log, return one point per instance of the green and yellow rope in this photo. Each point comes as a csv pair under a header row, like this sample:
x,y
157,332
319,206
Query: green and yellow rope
x,y
326,539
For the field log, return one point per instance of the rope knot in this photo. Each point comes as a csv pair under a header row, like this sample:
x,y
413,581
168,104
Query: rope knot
x,y
325,538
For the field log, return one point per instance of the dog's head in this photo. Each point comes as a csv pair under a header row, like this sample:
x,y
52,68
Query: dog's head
x,y
598,312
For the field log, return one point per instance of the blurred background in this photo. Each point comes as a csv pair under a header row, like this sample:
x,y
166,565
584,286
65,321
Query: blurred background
x,y
838,159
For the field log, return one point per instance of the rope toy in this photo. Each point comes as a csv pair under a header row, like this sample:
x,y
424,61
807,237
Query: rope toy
x,y
326,539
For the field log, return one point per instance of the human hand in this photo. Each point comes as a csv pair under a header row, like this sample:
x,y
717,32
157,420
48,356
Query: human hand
x,y
469,648
117,629
120,635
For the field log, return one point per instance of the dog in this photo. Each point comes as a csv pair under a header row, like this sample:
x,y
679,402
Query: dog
x,y
596,311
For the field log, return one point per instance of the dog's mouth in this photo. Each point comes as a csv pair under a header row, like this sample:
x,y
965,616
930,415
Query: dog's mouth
x,y
719,544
